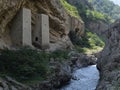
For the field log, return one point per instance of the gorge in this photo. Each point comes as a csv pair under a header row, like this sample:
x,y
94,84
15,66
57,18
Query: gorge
x,y
46,44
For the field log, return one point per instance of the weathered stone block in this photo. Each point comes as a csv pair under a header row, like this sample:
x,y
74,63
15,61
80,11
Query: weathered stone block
x,y
41,32
21,28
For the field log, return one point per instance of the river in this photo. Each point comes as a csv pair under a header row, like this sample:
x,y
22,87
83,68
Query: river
x,y
85,79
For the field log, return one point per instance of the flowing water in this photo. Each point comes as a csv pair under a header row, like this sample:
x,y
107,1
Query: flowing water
x,y
86,79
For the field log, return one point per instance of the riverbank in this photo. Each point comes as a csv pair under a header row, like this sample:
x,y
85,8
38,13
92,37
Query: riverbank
x,y
59,73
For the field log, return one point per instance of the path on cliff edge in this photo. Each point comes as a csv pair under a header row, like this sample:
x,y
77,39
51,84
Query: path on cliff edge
x,y
86,79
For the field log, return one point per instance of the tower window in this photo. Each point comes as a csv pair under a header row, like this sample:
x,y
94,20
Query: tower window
x,y
36,39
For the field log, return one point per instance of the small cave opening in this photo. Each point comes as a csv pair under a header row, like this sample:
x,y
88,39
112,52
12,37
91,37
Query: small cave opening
x,y
77,30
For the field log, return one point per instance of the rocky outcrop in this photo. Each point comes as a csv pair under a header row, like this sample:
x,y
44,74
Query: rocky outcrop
x,y
97,27
109,61
79,60
60,20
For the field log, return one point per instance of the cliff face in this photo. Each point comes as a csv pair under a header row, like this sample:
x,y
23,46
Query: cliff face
x,y
60,22
94,25
109,61
97,27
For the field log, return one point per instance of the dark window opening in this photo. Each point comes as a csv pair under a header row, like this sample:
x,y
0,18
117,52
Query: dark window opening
x,y
36,39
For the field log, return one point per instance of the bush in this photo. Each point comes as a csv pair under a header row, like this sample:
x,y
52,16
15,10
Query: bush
x,y
61,54
28,65
24,64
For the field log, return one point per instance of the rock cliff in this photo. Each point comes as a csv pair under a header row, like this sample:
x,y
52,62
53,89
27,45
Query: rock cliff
x,y
94,25
109,61
97,27
60,20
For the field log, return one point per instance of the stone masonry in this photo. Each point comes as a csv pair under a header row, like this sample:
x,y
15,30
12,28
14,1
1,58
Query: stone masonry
x,y
41,32
21,28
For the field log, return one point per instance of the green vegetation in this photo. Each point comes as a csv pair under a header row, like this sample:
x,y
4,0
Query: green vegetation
x,y
106,7
94,15
89,13
70,9
94,40
60,54
26,64
89,44
23,64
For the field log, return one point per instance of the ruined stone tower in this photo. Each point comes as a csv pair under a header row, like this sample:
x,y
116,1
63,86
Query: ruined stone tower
x,y
21,28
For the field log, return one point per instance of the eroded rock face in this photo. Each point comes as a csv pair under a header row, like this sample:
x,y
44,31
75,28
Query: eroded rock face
x,y
109,62
60,21
97,27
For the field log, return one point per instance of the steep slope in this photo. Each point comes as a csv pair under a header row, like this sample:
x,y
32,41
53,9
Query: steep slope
x,y
59,20
94,20
107,7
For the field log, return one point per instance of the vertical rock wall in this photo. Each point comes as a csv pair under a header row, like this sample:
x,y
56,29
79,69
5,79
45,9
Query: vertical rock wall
x,y
109,61
59,20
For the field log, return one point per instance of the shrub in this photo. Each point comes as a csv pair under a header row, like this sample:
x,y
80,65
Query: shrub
x,y
23,64
28,65
61,54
